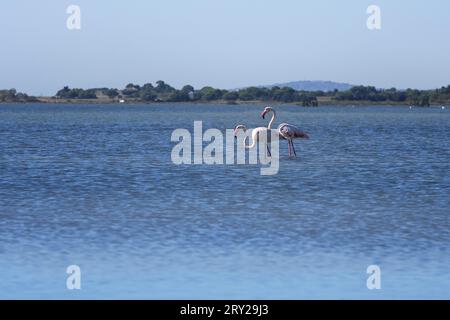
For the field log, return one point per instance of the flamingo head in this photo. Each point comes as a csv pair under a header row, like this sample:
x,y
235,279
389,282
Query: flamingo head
x,y
236,129
266,111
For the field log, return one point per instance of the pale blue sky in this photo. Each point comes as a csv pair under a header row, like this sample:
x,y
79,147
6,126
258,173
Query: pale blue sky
x,y
224,43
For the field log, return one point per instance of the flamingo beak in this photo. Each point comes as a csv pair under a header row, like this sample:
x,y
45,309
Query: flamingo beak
x,y
263,114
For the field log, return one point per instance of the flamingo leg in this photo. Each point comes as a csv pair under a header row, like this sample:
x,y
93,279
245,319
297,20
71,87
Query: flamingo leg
x,y
293,148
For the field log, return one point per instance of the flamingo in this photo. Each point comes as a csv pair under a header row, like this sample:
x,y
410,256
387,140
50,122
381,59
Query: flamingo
x,y
256,135
285,130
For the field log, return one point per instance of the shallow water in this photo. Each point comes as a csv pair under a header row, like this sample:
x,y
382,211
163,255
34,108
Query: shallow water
x,y
95,186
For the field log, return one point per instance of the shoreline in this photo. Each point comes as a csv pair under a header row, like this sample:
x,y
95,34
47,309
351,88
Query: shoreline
x,y
164,93
344,103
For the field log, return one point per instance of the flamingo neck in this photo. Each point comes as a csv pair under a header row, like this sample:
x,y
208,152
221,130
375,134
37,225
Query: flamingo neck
x,y
251,146
254,138
272,120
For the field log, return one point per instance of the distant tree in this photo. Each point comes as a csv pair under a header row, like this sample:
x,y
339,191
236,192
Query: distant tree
x,y
187,88
148,92
63,92
162,87
245,95
284,94
231,96
413,96
76,93
111,93
445,90
3,94
255,93
13,96
148,86
179,96
132,86
424,100
67,93
198,95
87,94
12,93
147,95
131,90
209,93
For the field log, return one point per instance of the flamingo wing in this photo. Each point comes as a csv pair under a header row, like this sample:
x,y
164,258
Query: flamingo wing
x,y
289,131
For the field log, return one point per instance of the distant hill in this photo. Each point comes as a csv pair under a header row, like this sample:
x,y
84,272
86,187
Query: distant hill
x,y
314,85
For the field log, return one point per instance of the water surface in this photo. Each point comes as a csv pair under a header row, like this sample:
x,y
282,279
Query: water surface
x,y
94,185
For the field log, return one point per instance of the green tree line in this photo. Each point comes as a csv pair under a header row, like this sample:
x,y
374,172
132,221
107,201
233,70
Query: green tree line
x,y
163,92
12,95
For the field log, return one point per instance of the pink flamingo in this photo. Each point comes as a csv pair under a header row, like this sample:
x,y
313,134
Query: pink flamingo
x,y
285,130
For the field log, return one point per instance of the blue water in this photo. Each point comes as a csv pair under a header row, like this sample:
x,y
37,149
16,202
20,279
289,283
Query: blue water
x,y
94,186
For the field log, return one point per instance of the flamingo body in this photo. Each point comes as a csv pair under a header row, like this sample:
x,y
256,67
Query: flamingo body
x,y
286,131
289,131
258,134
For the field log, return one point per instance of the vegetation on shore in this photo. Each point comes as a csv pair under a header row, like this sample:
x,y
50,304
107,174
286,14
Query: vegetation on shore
x,y
163,92
12,95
